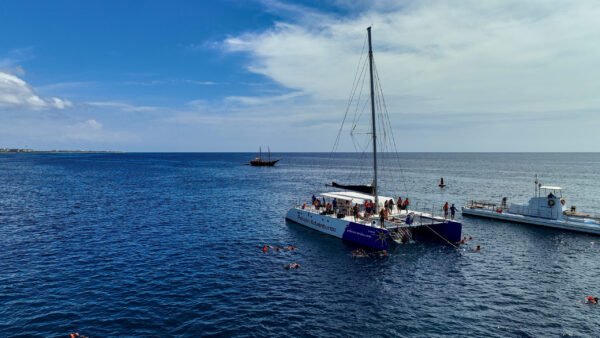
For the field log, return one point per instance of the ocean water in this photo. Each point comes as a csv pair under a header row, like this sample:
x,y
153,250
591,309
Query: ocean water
x,y
169,245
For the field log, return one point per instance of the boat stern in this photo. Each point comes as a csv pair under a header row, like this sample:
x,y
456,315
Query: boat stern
x,y
369,236
441,232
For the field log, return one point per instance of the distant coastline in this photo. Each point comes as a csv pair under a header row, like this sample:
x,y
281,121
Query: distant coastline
x,y
33,151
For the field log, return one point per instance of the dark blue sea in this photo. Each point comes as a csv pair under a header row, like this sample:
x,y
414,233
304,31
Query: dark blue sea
x,y
114,245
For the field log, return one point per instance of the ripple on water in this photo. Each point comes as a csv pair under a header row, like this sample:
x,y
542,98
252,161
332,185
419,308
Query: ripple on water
x,y
169,244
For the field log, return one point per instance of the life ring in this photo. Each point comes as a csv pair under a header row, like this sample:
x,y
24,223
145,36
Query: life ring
x,y
551,203
562,201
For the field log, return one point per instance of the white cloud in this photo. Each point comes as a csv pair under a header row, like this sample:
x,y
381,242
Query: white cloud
x,y
261,100
18,70
65,133
91,124
11,62
198,104
484,57
126,107
14,92
65,86
170,82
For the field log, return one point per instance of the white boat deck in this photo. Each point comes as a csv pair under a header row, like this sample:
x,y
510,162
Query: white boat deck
x,y
586,225
397,218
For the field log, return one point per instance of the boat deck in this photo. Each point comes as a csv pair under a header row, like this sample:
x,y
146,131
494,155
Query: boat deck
x,y
579,224
576,215
487,206
397,218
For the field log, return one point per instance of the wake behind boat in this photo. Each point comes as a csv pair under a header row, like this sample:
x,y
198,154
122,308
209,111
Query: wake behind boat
x,y
547,208
360,216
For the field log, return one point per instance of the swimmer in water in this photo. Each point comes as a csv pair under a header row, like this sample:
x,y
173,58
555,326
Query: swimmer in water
x,y
359,253
477,248
265,248
465,239
592,300
292,266
290,248
76,335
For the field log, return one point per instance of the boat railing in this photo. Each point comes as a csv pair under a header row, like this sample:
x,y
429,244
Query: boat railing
x,y
482,205
427,213
575,215
311,208
421,213
516,209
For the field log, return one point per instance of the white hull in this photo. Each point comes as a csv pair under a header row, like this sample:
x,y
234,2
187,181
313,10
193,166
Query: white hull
x,y
344,228
423,227
584,225
323,223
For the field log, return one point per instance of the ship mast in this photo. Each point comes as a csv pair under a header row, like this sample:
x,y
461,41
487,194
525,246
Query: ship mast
x,y
374,129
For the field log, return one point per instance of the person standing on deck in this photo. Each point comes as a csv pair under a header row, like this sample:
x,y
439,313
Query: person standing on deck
x,y
334,203
382,217
445,207
405,204
399,203
452,211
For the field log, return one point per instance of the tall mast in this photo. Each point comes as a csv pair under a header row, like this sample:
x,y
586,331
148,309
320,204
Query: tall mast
x,y
373,124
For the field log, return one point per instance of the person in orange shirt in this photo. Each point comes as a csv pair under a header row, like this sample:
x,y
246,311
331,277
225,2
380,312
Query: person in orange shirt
x,y
445,207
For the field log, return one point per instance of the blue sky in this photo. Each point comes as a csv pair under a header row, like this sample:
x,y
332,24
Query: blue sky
x,y
233,75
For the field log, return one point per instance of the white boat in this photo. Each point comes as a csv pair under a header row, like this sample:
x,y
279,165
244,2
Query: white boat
x,y
349,218
547,208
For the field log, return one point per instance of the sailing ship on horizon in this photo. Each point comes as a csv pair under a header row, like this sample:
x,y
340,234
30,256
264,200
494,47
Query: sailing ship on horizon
x,y
260,162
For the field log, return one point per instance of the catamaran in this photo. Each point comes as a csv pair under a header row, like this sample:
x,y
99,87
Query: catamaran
x,y
546,208
361,216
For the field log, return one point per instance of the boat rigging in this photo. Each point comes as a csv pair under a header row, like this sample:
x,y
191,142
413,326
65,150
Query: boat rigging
x,y
260,162
353,216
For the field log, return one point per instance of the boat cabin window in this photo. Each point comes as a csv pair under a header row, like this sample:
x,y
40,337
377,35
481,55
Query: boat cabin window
x,y
551,192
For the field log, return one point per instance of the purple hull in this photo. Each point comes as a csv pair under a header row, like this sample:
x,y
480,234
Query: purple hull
x,y
444,232
345,229
366,236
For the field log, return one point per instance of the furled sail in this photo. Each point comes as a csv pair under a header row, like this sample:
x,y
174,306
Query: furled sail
x,y
366,189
